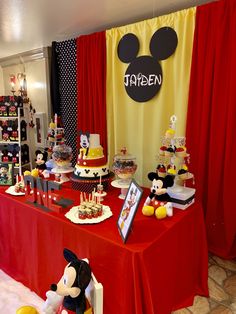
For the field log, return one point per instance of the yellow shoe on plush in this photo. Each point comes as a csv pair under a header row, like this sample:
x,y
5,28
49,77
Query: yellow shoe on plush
x,y
27,173
27,310
35,172
161,212
148,210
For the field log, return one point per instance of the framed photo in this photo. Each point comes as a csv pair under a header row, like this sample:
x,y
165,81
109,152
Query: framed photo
x,y
6,173
40,118
129,209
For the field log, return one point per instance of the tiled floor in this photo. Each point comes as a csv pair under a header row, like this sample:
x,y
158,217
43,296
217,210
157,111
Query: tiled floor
x,y
222,290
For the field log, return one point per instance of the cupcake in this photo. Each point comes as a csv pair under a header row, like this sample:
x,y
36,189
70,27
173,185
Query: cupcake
x,y
181,152
183,173
161,170
170,151
170,133
171,169
162,150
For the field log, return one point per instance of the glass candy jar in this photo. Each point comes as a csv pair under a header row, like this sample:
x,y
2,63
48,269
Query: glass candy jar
x,y
124,165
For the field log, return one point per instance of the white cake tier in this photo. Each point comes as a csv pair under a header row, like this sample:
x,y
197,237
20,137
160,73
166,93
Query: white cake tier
x,y
91,172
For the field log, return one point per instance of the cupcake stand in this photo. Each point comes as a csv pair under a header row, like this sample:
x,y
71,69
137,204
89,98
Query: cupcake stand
x,y
61,174
173,160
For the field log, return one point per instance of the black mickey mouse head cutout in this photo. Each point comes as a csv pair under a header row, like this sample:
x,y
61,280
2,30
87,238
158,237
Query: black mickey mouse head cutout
x,y
143,77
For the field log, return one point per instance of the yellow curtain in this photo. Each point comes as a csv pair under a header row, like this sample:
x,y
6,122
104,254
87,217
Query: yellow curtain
x,y
140,126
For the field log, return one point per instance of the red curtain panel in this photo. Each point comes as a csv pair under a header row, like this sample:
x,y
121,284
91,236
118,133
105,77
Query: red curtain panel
x,y
211,122
91,85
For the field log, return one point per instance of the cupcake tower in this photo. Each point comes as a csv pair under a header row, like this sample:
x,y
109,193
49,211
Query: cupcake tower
x,y
173,158
90,206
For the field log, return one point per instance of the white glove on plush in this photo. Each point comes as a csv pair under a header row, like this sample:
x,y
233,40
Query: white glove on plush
x,y
52,302
169,209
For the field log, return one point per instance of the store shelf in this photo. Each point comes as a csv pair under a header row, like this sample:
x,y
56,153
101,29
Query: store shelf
x,y
22,153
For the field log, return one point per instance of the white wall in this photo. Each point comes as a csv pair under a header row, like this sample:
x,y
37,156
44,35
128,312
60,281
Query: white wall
x,y
37,76
37,85
2,90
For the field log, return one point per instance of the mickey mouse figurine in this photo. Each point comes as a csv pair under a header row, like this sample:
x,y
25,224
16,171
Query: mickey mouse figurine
x,y
84,143
72,285
159,201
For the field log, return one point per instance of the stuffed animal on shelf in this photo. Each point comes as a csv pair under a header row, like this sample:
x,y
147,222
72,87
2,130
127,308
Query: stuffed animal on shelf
x,y
72,285
159,201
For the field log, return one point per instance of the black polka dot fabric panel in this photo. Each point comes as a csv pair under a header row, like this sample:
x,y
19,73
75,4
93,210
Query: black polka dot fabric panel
x,y
66,52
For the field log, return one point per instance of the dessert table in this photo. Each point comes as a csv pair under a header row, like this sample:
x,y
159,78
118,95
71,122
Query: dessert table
x,y
162,266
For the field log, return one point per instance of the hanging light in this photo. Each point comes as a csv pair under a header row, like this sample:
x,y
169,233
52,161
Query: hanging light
x,y
23,84
13,83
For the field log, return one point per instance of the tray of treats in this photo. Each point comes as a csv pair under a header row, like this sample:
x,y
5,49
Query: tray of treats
x,y
87,216
15,190
90,210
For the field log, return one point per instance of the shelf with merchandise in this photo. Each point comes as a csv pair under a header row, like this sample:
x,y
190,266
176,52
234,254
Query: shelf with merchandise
x,y
14,139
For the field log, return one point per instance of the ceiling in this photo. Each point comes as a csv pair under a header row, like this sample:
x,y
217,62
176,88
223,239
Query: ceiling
x,y
30,24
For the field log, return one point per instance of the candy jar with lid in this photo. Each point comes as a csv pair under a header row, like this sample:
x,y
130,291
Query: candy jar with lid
x,y
62,155
124,166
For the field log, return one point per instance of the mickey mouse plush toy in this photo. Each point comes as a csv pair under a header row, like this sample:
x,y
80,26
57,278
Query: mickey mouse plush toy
x,y
159,201
41,158
72,285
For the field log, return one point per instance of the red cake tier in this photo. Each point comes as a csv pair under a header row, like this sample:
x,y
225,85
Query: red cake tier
x,y
91,162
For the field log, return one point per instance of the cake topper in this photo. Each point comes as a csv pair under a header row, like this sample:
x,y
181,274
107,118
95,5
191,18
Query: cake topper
x,y
84,143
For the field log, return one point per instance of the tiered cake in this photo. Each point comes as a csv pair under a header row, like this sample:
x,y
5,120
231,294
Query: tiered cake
x,y
91,167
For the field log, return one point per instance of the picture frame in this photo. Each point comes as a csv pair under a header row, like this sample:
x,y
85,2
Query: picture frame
x,y
129,209
40,127
6,173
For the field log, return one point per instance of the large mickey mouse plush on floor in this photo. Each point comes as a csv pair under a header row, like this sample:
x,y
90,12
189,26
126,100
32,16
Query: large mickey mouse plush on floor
x,y
159,201
72,285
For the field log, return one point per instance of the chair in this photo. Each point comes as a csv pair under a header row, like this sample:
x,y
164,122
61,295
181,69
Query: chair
x,y
94,293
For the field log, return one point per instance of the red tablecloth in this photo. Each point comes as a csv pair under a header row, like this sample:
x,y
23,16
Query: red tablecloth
x,y
163,265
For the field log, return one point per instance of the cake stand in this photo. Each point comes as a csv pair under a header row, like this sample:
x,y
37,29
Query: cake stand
x,y
60,174
123,185
100,196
